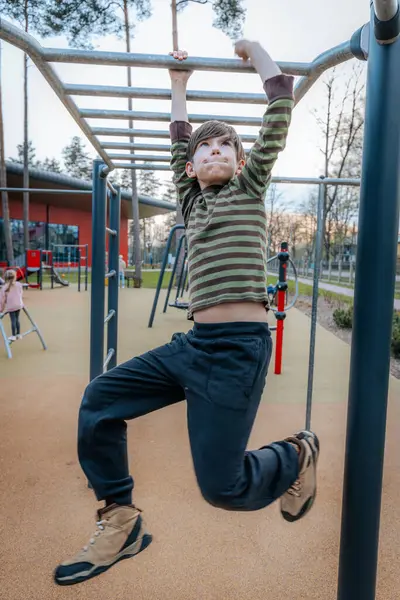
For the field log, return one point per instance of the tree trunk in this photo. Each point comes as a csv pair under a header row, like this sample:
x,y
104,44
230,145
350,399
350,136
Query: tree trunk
x,y
26,166
179,216
3,183
175,45
135,199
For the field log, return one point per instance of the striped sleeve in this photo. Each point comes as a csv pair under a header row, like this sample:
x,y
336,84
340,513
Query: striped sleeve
x,y
256,173
180,132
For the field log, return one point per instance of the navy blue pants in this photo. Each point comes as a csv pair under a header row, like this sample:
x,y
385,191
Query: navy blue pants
x,y
220,370
15,325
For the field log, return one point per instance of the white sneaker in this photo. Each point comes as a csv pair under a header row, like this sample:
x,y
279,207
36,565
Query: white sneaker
x,y
299,498
12,338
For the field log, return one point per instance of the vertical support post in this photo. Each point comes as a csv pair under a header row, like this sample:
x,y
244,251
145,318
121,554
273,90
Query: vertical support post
x,y
340,270
179,287
86,265
280,314
97,300
370,349
171,281
113,282
79,269
314,309
330,269
162,271
40,272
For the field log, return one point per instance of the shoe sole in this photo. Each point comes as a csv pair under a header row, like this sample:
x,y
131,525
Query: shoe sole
x,y
128,553
307,506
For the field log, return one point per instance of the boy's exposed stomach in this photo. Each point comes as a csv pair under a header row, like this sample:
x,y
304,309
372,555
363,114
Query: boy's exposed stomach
x,y
229,312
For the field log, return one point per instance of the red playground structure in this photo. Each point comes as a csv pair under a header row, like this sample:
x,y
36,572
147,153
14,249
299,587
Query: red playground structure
x,y
37,261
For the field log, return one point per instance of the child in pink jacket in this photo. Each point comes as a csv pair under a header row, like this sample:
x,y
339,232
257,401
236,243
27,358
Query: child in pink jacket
x,y
11,302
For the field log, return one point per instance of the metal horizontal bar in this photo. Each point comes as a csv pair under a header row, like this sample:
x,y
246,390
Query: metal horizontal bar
x,y
111,187
145,157
142,166
328,59
385,9
162,61
133,146
28,332
110,274
317,181
146,133
151,133
162,94
109,356
110,315
136,115
294,180
149,147
111,231
44,190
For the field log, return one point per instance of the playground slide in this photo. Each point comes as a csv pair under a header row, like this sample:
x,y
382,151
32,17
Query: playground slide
x,y
54,273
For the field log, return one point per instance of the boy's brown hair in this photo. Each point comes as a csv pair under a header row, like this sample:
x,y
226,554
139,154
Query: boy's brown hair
x,y
213,129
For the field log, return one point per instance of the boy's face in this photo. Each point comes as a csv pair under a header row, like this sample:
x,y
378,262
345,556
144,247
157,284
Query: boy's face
x,y
214,162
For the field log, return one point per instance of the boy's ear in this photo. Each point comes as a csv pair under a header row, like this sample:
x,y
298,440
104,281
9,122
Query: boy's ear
x,y
240,166
190,172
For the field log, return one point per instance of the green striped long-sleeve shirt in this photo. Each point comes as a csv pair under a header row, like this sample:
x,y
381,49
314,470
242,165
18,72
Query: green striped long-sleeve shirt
x,y
226,225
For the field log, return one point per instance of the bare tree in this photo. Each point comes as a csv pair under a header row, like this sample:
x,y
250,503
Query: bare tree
x,y
308,228
341,123
276,208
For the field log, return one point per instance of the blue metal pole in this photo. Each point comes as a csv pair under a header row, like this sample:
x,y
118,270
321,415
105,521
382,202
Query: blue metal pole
x,y
113,282
370,352
99,203
171,281
181,276
79,269
163,267
86,266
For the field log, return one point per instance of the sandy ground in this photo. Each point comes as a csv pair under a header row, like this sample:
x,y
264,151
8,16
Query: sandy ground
x,y
198,553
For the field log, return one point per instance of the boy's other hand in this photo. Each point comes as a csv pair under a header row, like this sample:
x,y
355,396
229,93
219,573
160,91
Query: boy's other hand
x,y
243,49
182,76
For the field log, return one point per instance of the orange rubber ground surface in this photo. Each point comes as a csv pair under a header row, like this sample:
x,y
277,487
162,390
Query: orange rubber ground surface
x,y
198,552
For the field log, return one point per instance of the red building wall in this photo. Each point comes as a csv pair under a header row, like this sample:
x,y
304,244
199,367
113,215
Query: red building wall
x,y
67,216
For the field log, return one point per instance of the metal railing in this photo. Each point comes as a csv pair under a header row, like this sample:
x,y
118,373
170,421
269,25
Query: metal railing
x,y
33,329
99,275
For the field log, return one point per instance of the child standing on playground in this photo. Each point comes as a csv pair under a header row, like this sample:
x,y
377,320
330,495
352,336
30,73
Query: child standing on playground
x,y
11,302
121,268
220,366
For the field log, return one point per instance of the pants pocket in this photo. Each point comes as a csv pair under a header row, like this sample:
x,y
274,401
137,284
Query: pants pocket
x,y
234,369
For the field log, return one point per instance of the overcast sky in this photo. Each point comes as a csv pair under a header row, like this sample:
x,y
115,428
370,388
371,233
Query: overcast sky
x,y
289,30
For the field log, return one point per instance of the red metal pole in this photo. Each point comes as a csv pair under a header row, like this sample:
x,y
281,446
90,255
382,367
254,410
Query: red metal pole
x,y
280,314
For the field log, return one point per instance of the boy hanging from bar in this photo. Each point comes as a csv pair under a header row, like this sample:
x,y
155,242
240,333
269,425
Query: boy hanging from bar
x,y
220,365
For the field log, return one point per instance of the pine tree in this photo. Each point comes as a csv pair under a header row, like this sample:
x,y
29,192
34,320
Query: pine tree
x,y
169,192
31,155
50,164
76,159
149,184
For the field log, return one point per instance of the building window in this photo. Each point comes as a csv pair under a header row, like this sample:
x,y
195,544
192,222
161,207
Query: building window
x,y
55,234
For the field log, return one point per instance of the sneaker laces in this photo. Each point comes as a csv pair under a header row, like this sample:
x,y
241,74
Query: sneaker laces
x,y
100,525
295,489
